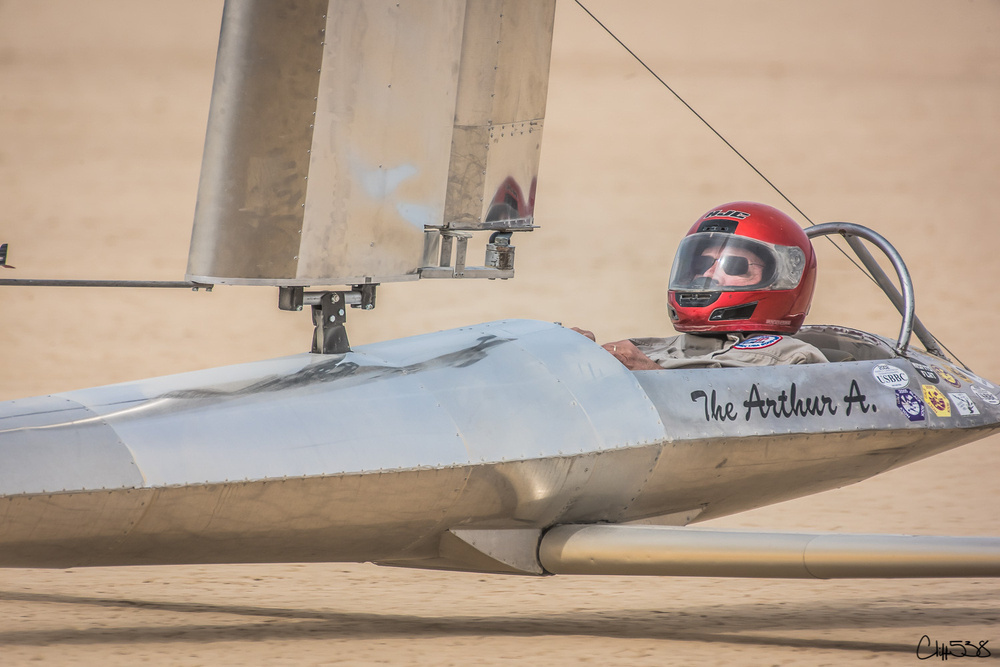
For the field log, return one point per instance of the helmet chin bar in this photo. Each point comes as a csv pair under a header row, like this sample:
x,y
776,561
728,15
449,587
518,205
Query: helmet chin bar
x,y
904,303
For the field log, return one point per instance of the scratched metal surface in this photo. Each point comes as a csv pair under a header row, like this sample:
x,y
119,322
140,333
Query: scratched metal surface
x,y
499,391
427,401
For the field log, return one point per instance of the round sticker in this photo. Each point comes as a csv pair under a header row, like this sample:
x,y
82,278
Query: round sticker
x,y
890,376
959,374
987,395
910,405
926,371
946,376
757,342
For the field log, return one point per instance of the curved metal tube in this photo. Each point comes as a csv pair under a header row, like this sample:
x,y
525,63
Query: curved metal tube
x,y
906,305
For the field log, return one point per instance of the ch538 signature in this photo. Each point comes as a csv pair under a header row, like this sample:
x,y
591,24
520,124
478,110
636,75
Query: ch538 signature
x,y
955,648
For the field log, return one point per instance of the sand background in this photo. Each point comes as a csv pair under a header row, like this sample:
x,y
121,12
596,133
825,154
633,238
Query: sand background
x,y
882,113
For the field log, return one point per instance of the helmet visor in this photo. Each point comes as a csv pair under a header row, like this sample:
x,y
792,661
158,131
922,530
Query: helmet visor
x,y
714,262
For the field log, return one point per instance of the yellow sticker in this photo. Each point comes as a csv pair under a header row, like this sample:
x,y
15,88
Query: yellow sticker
x,y
938,402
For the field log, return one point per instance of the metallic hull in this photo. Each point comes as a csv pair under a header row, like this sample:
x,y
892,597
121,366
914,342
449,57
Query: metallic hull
x,y
387,453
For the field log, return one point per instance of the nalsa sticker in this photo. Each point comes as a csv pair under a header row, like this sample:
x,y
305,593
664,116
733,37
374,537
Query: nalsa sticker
x,y
946,376
964,404
890,376
910,405
986,395
926,372
934,398
757,342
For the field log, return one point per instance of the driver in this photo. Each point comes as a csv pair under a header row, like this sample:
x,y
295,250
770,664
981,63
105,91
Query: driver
x,y
741,281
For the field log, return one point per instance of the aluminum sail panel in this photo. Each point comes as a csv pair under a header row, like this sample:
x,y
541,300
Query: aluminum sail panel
x,y
345,135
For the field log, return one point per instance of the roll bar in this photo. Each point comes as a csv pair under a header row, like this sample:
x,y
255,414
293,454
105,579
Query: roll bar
x,y
904,303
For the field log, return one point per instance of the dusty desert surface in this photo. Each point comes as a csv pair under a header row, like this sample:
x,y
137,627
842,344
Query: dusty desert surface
x,y
882,113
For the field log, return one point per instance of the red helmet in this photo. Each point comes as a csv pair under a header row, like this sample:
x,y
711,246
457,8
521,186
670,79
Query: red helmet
x,y
742,267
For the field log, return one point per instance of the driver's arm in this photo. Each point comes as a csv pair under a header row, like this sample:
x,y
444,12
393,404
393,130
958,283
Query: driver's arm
x,y
624,351
631,357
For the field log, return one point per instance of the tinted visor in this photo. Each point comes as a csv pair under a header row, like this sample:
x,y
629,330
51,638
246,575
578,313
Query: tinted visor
x,y
712,261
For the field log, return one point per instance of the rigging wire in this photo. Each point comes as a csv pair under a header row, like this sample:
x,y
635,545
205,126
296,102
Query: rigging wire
x,y
738,153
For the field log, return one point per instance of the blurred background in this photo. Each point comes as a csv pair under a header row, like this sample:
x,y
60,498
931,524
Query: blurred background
x,y
884,114
880,113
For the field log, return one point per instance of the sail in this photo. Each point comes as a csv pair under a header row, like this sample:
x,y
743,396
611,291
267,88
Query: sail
x,y
347,138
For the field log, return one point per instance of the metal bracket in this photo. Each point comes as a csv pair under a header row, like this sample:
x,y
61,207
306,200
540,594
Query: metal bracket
x,y
329,313
329,317
499,261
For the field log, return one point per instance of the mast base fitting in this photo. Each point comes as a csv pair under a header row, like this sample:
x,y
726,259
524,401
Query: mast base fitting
x,y
329,313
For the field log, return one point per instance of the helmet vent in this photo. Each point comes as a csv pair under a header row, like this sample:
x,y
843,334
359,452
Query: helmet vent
x,y
744,312
696,299
722,226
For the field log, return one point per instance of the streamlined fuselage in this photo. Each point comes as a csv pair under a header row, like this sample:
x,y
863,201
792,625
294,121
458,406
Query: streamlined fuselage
x,y
387,452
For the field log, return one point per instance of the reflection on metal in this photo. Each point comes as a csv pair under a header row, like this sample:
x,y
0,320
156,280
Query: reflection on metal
x,y
248,218
661,550
346,138
681,518
454,450
513,548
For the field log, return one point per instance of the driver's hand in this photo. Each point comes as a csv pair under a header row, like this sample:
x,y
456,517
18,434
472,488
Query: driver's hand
x,y
631,357
588,334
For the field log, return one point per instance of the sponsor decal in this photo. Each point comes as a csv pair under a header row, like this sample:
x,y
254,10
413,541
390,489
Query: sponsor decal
x,y
986,395
910,405
926,372
934,398
959,374
757,342
946,376
890,376
964,404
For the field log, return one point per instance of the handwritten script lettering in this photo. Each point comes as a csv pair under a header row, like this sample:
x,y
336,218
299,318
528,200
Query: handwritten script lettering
x,y
791,402
855,397
788,404
955,648
713,410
